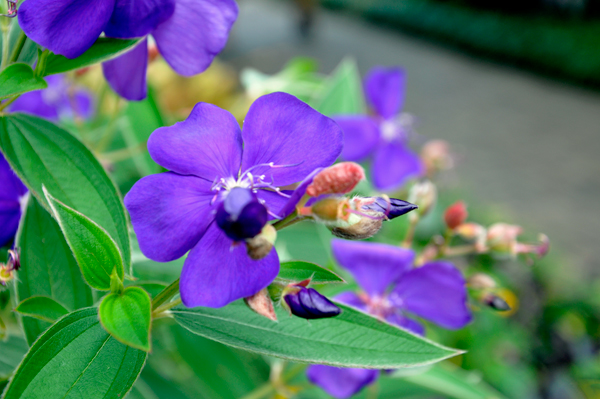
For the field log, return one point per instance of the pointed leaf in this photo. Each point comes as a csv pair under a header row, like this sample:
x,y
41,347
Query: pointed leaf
x,y
297,271
127,317
48,267
352,339
343,92
42,308
18,79
76,358
96,253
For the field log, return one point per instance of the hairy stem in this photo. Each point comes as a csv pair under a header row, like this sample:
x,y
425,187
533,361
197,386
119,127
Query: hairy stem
x,y
14,56
166,295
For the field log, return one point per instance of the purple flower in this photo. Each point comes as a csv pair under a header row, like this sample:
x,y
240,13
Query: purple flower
x,y
59,100
12,190
188,33
210,158
384,136
392,288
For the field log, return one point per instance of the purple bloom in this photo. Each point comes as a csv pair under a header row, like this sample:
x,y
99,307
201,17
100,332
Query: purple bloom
x,y
283,140
188,33
385,135
12,190
341,382
309,304
59,100
392,288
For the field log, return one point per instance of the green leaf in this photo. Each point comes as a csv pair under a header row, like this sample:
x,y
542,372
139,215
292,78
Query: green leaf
x,y
104,49
342,93
127,317
96,253
153,288
12,350
18,79
41,307
48,267
76,358
296,271
352,339
42,153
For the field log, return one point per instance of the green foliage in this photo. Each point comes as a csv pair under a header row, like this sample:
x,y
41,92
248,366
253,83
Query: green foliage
x,y
12,349
337,341
296,271
41,153
96,253
42,308
127,317
18,79
104,49
342,92
76,358
48,267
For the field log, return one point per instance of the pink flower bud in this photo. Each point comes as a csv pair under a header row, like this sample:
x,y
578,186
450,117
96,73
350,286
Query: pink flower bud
x,y
455,215
481,281
502,237
262,304
340,178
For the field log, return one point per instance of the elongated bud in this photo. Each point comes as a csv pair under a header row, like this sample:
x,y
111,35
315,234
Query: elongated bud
x,y
262,304
455,215
14,260
496,303
241,215
261,245
308,303
481,281
340,178
423,194
389,207
361,229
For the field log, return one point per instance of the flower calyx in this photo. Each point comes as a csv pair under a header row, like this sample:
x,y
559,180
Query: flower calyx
x,y
262,304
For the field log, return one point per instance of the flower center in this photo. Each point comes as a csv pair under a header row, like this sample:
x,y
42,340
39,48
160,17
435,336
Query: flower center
x,y
399,128
378,306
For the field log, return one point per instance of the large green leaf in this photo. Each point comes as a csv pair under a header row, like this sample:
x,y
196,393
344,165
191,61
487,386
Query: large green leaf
x,y
42,308
12,350
342,93
42,153
352,339
18,79
104,49
96,253
48,267
127,317
76,358
296,271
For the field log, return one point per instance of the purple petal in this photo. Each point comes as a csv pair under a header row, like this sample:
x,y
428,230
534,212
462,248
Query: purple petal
x,y
361,135
374,266
340,382
10,214
217,272
351,299
281,129
207,144
394,163
297,194
384,89
33,103
83,104
435,291
137,18
274,202
66,27
126,74
406,323
308,303
195,34
11,186
169,213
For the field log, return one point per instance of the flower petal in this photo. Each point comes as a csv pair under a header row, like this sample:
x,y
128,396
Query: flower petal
x,y
297,195
137,18
384,89
195,34
435,291
361,135
12,187
406,323
169,213
207,144
126,74
351,299
274,202
66,27
340,382
374,266
10,214
217,272
283,130
394,163
33,103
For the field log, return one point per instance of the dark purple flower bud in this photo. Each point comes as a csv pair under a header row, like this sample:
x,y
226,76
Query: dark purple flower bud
x,y
391,207
309,304
241,215
496,303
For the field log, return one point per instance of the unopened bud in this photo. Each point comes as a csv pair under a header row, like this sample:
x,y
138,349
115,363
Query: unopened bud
x,y
261,245
153,52
386,207
436,156
262,304
423,194
340,178
502,237
481,281
496,303
473,231
357,228
14,261
455,215
308,303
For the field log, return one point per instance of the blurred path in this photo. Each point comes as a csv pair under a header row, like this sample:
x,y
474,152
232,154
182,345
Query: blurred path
x,y
531,145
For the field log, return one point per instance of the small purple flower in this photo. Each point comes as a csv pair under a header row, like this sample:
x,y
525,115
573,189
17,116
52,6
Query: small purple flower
x,y
210,159
392,288
385,135
59,100
188,33
12,191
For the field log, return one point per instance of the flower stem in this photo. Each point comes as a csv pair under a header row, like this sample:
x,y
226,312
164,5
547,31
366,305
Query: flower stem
x,y
410,233
166,295
40,68
18,48
4,27
161,311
